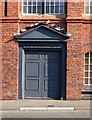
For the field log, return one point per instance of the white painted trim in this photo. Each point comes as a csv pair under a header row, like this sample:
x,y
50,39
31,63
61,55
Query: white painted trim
x,y
88,69
44,8
23,71
22,6
47,108
88,6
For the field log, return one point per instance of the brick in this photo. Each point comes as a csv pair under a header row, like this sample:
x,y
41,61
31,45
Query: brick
x,y
78,44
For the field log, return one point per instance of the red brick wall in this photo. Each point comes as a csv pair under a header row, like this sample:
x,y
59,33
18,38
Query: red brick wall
x,y
79,28
87,36
74,9
0,51
9,60
77,45
10,52
12,9
74,61
10,70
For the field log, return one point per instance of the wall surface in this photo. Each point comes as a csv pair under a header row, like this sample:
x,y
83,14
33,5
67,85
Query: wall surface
x,y
75,23
79,26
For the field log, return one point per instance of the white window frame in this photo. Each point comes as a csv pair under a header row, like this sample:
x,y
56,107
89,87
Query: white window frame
x,y
30,5
89,71
54,6
44,7
89,5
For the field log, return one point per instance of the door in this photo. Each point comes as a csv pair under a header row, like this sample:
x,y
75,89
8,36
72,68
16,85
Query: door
x,y
42,74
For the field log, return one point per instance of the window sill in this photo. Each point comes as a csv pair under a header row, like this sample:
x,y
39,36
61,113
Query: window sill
x,y
87,89
86,93
43,16
87,16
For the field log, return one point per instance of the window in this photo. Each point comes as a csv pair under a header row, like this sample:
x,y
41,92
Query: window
x,y
88,7
88,68
5,8
46,7
54,7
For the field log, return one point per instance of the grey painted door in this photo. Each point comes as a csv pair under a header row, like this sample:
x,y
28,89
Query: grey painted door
x,y
42,74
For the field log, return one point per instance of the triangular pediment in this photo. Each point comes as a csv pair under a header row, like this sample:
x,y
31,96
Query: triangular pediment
x,y
41,33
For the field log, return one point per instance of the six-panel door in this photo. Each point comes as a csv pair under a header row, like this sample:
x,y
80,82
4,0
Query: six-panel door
x,y
42,74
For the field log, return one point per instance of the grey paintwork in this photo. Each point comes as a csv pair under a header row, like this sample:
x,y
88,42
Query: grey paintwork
x,y
42,74
45,42
42,33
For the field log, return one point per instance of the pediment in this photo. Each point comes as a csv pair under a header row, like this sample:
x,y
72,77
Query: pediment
x,y
41,33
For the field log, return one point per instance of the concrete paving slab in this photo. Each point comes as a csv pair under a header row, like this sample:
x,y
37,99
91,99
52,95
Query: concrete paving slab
x,y
17,104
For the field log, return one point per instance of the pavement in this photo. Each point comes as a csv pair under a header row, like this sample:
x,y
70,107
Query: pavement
x,y
28,104
29,108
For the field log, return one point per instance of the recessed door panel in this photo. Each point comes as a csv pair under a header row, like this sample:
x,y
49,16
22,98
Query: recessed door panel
x,y
32,69
51,69
32,84
32,56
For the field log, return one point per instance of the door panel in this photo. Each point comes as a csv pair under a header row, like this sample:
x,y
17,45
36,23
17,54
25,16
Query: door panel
x,y
42,74
50,85
33,81
53,68
32,85
51,76
31,56
32,69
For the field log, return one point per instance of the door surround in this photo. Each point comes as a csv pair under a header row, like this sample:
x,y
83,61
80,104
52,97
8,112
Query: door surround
x,y
42,38
61,47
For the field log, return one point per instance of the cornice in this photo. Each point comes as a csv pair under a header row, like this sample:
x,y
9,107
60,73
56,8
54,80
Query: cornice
x,y
79,20
84,20
87,20
27,20
74,19
38,19
8,19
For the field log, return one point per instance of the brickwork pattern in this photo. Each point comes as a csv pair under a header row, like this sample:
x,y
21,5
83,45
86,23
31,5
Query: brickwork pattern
x,y
0,52
9,60
74,62
10,70
78,44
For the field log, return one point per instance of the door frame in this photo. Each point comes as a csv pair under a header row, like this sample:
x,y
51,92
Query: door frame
x,y
61,47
